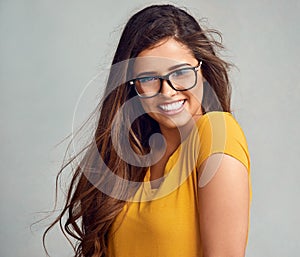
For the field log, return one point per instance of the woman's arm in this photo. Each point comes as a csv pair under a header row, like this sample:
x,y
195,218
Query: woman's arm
x,y
223,206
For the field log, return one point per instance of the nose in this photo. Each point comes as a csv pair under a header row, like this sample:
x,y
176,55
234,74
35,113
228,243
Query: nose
x,y
166,89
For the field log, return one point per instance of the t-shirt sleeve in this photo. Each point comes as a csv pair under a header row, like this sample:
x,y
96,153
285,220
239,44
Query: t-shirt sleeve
x,y
219,132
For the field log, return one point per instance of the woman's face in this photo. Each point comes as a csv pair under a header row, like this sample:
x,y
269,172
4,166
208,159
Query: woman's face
x,y
170,108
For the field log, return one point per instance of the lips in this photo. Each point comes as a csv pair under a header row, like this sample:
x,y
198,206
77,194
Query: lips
x,y
172,107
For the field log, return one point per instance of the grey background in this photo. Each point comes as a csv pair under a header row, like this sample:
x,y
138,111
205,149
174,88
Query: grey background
x,y
49,50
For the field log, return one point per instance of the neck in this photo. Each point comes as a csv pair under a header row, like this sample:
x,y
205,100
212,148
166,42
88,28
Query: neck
x,y
174,137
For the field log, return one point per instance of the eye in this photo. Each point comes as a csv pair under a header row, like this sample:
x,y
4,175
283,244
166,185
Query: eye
x,y
146,80
181,72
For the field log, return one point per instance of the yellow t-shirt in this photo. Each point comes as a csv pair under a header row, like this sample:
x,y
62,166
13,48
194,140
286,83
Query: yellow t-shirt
x,y
163,222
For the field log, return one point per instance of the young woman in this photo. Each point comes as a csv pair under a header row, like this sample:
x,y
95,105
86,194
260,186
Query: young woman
x,y
167,173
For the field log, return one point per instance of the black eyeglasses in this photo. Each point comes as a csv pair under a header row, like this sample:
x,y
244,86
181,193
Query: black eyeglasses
x,y
180,80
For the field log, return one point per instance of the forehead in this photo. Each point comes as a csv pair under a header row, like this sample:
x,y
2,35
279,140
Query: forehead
x,y
162,56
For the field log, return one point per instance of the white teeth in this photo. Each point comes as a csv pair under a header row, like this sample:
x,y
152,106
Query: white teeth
x,y
172,106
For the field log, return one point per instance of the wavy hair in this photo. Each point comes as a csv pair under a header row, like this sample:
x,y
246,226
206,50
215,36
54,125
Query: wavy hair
x,y
88,213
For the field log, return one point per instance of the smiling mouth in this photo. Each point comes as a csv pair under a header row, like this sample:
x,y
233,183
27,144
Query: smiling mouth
x,y
172,107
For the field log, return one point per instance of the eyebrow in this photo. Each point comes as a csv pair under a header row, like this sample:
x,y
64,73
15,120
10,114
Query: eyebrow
x,y
170,69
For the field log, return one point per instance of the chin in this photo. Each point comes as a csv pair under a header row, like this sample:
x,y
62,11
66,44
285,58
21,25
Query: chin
x,y
175,123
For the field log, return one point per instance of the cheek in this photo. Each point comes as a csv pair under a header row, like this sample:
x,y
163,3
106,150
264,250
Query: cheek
x,y
147,105
197,94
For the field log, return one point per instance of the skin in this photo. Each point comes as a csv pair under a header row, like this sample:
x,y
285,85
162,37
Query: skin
x,y
224,207
160,59
224,200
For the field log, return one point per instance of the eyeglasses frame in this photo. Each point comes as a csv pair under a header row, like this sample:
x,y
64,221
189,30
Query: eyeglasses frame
x,y
166,78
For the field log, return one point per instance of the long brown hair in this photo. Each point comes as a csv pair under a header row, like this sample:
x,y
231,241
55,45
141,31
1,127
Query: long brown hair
x,y
88,212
